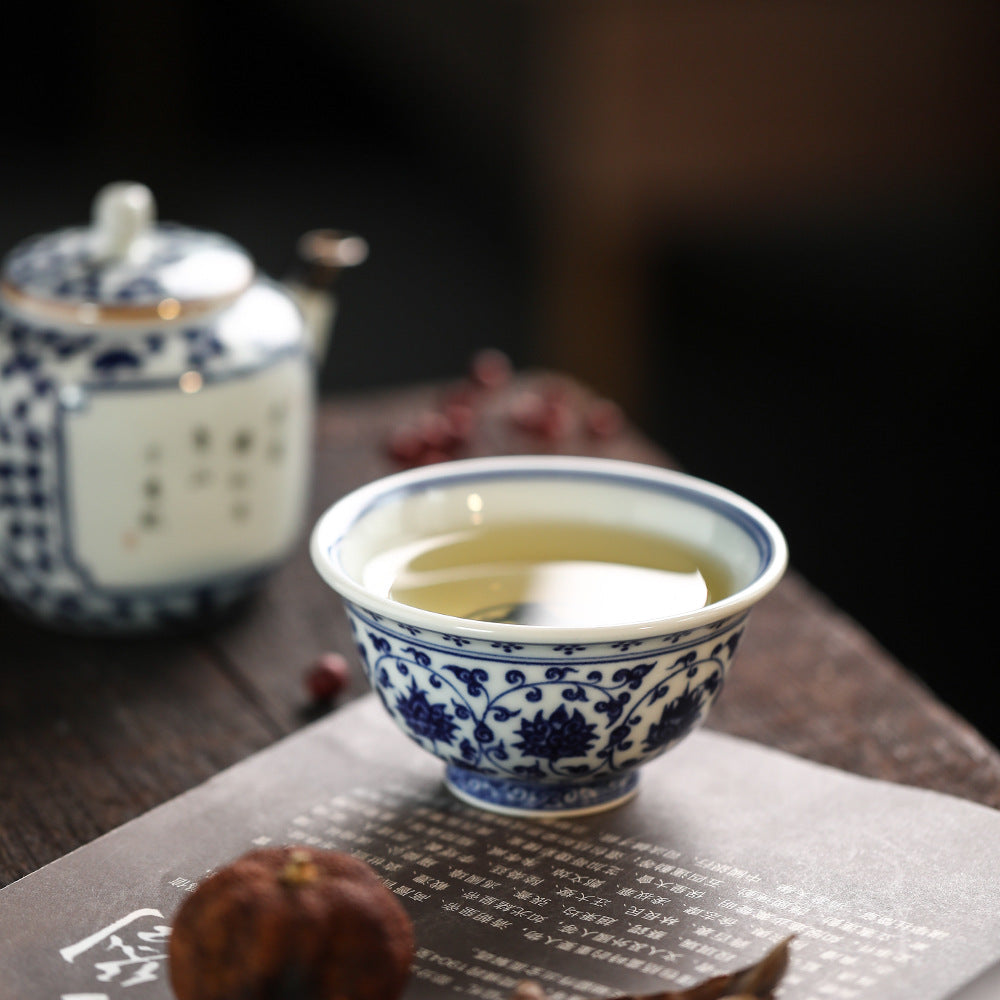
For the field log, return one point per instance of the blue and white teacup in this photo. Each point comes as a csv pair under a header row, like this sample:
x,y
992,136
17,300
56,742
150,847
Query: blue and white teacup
x,y
538,719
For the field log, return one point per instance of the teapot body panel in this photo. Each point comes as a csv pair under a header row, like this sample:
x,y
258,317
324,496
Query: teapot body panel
x,y
150,474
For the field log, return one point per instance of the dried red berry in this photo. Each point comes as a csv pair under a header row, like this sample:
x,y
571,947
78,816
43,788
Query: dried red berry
x,y
464,393
491,368
436,432
432,456
461,419
528,411
327,677
548,416
405,444
559,420
604,419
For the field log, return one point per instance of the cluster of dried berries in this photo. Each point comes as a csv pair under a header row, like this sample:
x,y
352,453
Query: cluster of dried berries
x,y
550,415
287,922
545,413
438,434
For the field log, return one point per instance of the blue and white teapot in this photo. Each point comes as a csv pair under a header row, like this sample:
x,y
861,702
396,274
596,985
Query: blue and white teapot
x,y
156,413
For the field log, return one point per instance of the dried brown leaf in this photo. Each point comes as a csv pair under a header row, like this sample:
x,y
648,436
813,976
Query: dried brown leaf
x,y
755,982
760,979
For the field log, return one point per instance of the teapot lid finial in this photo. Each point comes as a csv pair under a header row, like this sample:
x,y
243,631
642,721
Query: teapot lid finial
x,y
122,213
124,266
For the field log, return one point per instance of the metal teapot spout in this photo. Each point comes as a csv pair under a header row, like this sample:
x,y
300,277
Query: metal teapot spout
x,y
320,256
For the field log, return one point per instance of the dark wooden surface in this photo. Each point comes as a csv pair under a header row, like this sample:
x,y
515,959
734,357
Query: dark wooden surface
x,y
94,732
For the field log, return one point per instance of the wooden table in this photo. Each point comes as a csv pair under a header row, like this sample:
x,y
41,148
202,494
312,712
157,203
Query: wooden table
x,y
94,732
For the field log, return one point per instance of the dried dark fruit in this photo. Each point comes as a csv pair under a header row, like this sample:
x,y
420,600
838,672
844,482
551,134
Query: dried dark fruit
x,y
327,677
291,923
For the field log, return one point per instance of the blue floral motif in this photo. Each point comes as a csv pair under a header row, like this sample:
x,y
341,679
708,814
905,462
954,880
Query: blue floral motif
x,y
690,663
472,679
677,719
138,287
530,718
418,655
676,638
618,740
379,642
113,360
556,736
558,673
729,645
432,722
613,707
539,797
203,345
626,644
501,714
632,677
713,683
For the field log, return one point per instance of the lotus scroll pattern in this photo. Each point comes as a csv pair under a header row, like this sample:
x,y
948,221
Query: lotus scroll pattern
x,y
537,713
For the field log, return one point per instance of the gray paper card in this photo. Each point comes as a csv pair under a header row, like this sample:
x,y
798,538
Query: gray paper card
x,y
729,847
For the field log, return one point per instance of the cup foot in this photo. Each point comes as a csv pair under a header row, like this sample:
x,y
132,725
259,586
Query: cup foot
x,y
514,797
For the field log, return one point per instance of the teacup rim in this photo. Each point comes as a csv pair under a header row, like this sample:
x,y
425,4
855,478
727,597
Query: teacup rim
x,y
333,524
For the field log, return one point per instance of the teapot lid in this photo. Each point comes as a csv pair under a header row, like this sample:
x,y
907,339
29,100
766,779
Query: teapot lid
x,y
124,266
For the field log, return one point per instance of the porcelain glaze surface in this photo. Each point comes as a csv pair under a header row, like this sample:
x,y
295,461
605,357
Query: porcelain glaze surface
x,y
530,719
177,263
151,471
557,728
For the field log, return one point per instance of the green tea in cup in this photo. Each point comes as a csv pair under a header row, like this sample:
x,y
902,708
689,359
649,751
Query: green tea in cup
x,y
549,573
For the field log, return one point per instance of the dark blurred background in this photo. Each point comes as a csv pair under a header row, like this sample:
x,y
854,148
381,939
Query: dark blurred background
x,y
770,231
